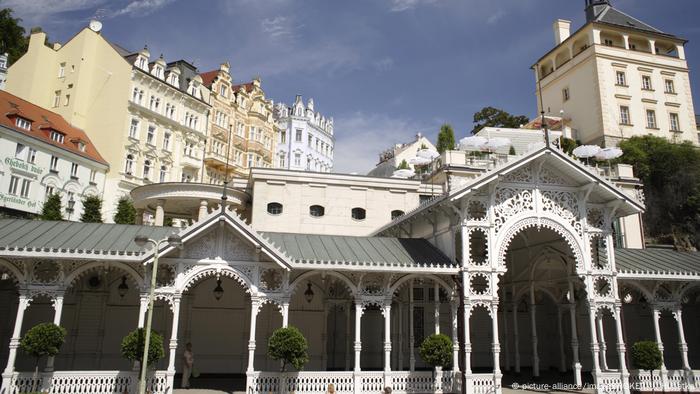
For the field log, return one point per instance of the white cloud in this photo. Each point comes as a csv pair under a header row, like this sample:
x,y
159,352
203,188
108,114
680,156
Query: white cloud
x,y
35,12
360,137
495,17
404,5
384,64
278,27
141,7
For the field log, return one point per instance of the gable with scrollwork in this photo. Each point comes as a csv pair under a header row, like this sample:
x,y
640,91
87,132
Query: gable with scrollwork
x,y
219,243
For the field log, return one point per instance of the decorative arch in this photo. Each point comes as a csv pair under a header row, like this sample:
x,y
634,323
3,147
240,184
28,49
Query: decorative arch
x,y
293,287
525,291
71,278
404,279
228,271
638,287
686,290
547,255
519,223
18,276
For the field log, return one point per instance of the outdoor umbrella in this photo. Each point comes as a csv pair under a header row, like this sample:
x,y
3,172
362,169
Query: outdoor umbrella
x,y
608,154
586,151
405,173
497,143
419,161
427,153
472,143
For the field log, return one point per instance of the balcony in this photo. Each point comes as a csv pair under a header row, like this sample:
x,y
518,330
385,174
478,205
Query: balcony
x,y
215,159
191,162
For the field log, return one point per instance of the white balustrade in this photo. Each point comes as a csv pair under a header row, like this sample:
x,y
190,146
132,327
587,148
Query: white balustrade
x,y
609,383
481,383
86,382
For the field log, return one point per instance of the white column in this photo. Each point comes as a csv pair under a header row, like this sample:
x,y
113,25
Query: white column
x,y
626,40
601,342
358,340
173,335
14,341
58,310
621,350
652,46
516,340
254,309
143,307
285,314
160,212
657,333
574,337
437,308
594,342
411,338
533,326
495,345
455,334
562,354
682,344
467,340
387,336
203,209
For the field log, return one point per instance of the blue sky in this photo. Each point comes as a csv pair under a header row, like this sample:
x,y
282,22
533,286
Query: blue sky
x,y
384,69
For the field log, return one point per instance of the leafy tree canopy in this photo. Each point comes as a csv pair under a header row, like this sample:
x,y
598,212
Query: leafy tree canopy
x,y
133,343
13,40
51,210
403,165
126,213
92,210
42,340
646,355
436,350
446,138
494,117
289,345
671,176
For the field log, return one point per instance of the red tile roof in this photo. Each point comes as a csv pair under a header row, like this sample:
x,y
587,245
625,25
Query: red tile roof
x,y
248,87
208,77
42,122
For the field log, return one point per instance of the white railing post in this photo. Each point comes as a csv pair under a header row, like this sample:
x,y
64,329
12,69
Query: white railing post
x,y
496,347
8,374
358,347
387,342
455,335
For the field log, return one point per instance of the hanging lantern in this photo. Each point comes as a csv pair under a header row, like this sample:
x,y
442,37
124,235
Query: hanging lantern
x,y
218,290
309,294
123,287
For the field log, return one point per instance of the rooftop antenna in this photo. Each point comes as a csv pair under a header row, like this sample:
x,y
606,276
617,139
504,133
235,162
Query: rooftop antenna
x,y
223,194
539,91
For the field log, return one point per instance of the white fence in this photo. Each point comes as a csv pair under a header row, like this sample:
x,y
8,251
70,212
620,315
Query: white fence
x,y
672,380
86,382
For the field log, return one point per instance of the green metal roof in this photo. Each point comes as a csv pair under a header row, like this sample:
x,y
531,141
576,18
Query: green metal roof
x,y
653,261
75,237
365,251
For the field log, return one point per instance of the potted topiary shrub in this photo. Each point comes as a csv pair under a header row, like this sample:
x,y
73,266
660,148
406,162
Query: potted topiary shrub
x,y
436,351
42,340
288,345
133,343
646,356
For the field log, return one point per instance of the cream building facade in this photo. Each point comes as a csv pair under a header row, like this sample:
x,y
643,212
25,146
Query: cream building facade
x,y
148,118
241,113
617,77
391,159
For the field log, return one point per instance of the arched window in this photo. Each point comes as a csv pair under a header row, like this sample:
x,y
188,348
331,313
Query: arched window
x,y
146,169
317,211
396,213
359,213
129,166
163,173
274,208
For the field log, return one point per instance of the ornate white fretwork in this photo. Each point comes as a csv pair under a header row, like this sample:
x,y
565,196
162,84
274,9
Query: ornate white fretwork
x,y
564,205
509,202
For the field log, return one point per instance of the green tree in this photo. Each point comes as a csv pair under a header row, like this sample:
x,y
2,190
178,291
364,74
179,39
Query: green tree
x,y
126,213
403,165
446,138
568,144
13,40
511,151
646,356
51,210
289,345
133,343
494,117
92,210
436,350
671,177
42,340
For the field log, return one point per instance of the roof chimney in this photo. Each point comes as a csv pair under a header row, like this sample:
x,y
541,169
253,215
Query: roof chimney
x,y
562,31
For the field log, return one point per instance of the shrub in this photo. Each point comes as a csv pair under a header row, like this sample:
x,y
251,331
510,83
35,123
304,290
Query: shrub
x,y
42,340
646,355
132,346
126,213
436,350
92,210
51,210
289,345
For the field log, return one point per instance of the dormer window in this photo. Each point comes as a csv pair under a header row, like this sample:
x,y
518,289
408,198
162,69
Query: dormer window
x,y
81,146
194,91
56,136
23,123
141,63
172,79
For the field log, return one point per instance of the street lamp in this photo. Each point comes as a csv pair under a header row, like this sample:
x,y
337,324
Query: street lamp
x,y
141,240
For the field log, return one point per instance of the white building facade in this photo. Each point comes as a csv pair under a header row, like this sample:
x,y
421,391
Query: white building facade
x,y
305,139
3,70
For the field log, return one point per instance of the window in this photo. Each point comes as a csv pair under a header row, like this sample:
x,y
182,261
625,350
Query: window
x,y
23,123
14,182
565,94
67,101
50,190
150,137
166,141
283,136
19,150
163,173
274,208
146,169
26,184
297,159
129,165
31,156
310,141
633,47
298,136
651,119
134,129
58,137
646,82
56,98
62,70
358,213
222,90
250,160
608,42
396,213
54,164
81,146
74,170
620,78
669,86
674,122
93,175
624,115
282,160
317,211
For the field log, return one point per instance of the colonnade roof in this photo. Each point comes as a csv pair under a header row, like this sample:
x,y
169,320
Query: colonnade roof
x,y
653,263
